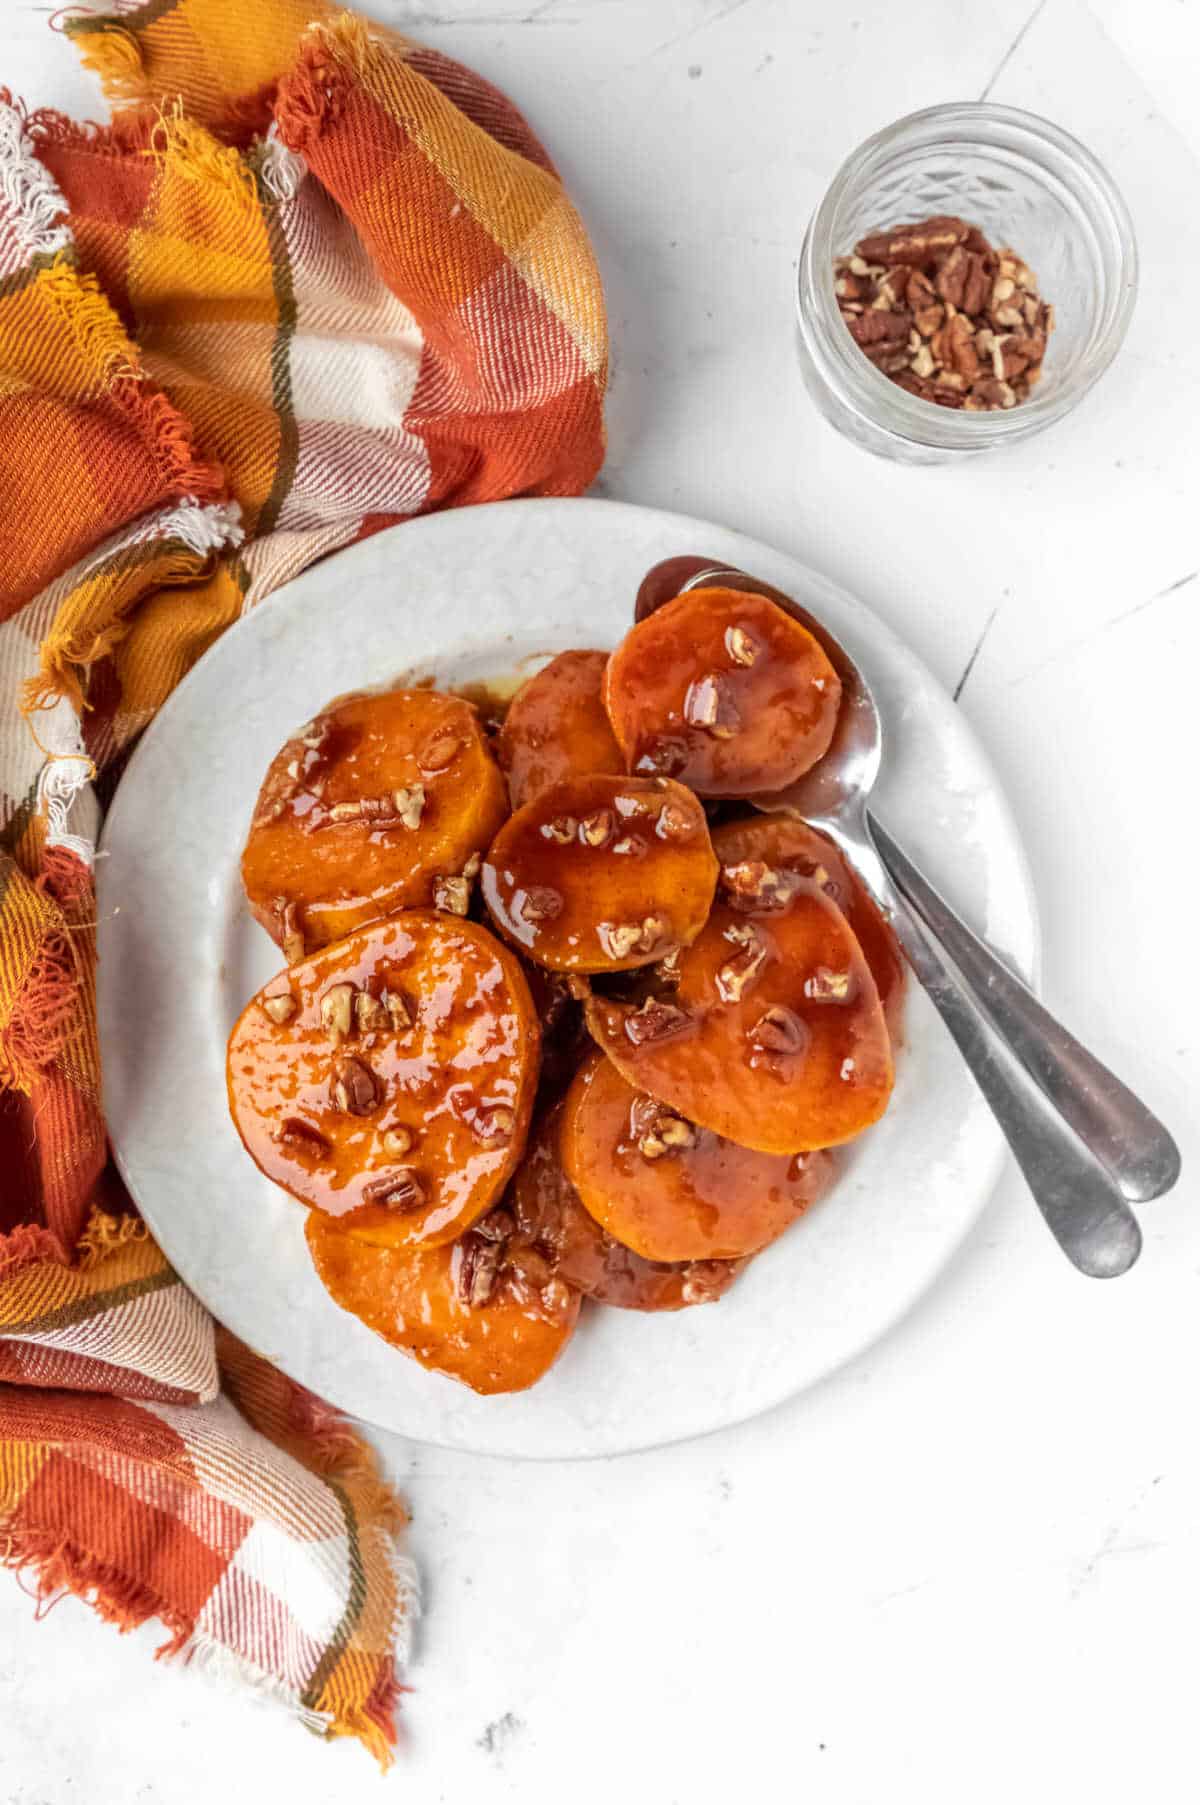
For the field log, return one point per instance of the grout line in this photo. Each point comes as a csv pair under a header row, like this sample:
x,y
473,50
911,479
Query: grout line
x,y
1007,58
987,627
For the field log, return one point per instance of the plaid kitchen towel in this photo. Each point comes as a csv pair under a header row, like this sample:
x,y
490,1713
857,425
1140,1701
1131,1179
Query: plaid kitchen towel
x,y
311,280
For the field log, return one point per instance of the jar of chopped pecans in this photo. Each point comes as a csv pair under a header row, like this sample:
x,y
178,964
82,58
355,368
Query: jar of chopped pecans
x,y
924,334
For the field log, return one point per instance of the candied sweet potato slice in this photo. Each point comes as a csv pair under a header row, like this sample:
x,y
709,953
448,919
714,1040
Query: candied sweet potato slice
x,y
602,873
669,1189
723,691
785,842
546,1207
557,727
390,1079
463,1309
772,1033
365,810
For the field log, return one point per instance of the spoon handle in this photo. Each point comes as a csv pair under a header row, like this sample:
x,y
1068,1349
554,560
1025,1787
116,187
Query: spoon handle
x,y
1116,1126
1081,1202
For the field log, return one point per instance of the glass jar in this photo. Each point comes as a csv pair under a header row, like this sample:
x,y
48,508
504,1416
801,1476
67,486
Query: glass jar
x,y
1025,184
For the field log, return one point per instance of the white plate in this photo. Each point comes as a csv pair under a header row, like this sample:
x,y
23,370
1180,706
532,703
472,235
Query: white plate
x,y
462,596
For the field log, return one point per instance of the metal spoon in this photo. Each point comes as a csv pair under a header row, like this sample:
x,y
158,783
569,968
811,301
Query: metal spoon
x,y
1086,1145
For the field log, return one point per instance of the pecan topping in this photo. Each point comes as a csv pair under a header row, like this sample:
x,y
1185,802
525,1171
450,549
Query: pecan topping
x,y
279,1009
336,1011
667,968
751,884
561,830
398,1011
654,1021
658,1131
370,1016
629,844
291,939
738,974
409,804
399,1189
825,986
740,645
709,706
300,1136
495,1124
439,752
452,895
618,939
673,823
597,829
478,1269
353,1088
777,1030
541,903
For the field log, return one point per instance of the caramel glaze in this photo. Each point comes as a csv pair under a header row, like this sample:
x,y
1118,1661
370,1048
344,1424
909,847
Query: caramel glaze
x,y
723,691
556,727
457,1084
419,1300
771,1032
549,1214
702,1198
787,842
314,868
602,873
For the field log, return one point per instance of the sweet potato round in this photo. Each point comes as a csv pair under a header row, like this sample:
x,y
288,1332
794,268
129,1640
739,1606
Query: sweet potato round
x,y
390,1079
602,873
364,810
723,691
670,1190
787,843
773,1035
556,727
418,1299
546,1207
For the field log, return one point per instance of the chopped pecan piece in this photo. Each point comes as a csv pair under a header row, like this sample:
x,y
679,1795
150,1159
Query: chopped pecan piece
x,y
337,1006
709,705
655,1020
370,1016
597,829
541,903
399,1189
922,244
353,1088
778,1030
478,1270
301,1137
944,315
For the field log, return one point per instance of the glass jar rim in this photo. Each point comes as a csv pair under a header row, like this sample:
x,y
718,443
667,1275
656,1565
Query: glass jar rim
x,y
873,394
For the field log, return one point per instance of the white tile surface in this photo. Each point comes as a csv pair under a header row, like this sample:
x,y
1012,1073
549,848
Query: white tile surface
x,y
967,1569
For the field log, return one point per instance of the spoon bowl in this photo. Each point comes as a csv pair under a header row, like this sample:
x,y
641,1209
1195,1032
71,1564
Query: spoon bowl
x,y
1086,1144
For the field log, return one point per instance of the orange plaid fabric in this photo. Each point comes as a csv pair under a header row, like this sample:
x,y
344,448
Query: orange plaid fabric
x,y
312,279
